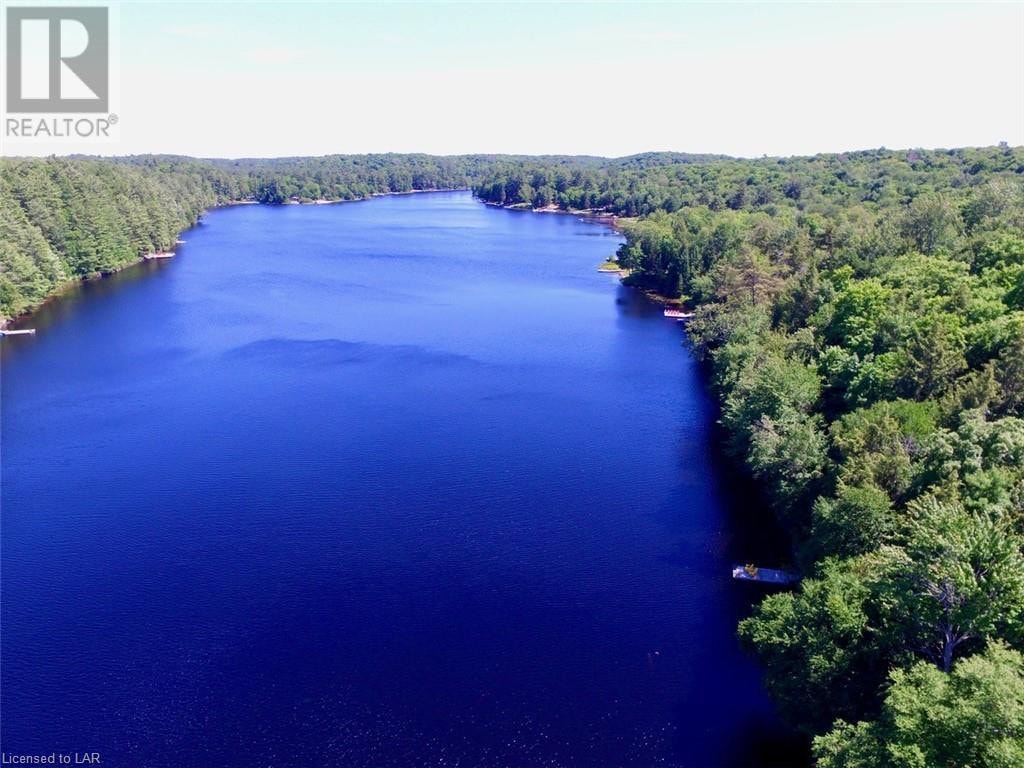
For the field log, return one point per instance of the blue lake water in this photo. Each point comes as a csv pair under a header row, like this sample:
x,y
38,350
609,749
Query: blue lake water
x,y
393,483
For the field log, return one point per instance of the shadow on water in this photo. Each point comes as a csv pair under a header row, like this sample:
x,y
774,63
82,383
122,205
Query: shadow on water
x,y
62,307
760,746
755,536
749,533
753,533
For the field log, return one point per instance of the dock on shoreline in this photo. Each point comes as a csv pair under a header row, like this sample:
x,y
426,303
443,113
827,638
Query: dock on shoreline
x,y
751,572
678,314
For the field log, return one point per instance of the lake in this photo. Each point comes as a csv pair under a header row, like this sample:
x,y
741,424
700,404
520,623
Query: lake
x,y
399,482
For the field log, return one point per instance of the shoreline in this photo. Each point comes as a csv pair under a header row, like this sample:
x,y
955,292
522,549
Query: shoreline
x,y
328,201
10,323
77,282
602,217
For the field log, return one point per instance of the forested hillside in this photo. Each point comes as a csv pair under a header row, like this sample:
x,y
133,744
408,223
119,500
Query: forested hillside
x,y
863,319
350,177
63,219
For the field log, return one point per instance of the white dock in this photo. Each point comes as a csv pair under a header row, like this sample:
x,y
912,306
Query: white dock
x,y
765,575
164,255
23,332
678,314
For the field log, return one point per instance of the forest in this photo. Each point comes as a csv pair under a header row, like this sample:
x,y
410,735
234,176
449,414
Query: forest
x,y
861,317
64,219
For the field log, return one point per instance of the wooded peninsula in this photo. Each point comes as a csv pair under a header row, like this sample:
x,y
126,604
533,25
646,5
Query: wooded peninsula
x,y
861,316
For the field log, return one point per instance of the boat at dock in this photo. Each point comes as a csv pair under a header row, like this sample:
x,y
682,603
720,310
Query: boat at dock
x,y
678,314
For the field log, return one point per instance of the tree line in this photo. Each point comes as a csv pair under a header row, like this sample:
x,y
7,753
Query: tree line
x,y
64,219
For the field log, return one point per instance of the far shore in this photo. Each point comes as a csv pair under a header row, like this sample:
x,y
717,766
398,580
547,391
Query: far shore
x,y
603,216
67,285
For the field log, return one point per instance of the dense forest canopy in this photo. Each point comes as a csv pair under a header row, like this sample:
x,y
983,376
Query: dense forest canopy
x,y
65,219
862,317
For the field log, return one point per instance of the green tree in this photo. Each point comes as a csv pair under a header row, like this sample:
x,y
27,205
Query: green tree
x,y
972,717
856,522
935,355
930,223
823,654
956,582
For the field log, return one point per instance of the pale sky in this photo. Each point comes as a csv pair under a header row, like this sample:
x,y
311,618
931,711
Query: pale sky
x,y
272,79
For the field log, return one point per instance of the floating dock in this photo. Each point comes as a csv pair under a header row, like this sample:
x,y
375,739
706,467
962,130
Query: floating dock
x,y
766,575
678,314
23,332
165,255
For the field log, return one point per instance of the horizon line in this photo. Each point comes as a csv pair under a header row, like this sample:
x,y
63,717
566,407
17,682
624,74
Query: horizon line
x,y
514,155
